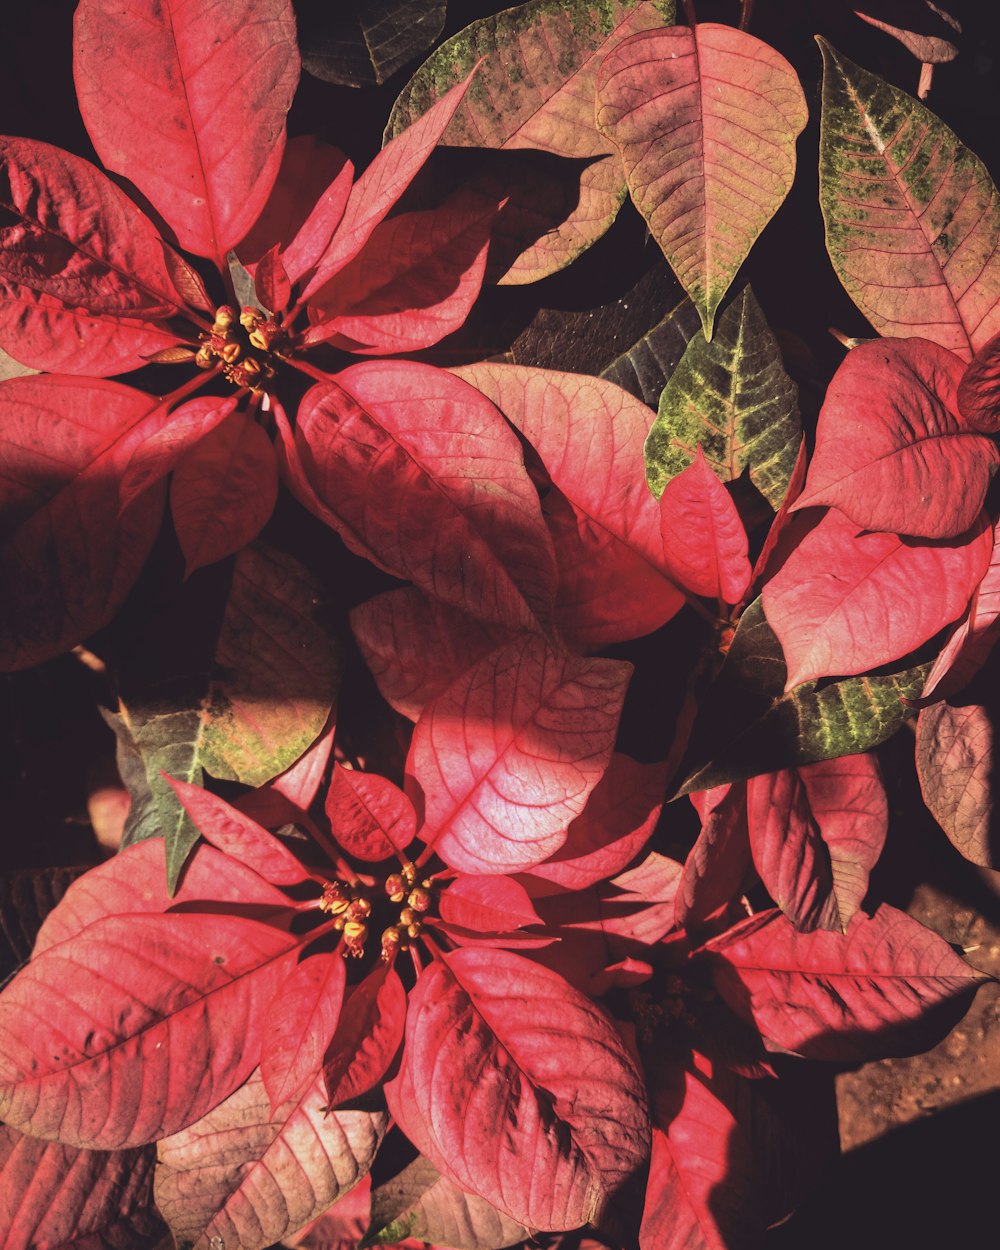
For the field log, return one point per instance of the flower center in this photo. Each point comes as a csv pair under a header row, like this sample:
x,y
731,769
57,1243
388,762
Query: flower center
x,y
352,906
249,347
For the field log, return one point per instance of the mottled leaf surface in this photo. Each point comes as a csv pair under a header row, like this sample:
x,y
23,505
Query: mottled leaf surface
x,y
644,369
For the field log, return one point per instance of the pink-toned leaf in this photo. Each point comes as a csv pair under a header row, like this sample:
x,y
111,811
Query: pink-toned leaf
x,y
53,1195
716,869
300,1024
382,184
341,1227
415,645
703,534
223,491
247,1176
421,475
487,904
160,1019
613,570
271,281
294,789
612,829
888,986
706,121
761,568
911,214
370,817
158,454
927,48
847,601
239,837
892,451
304,208
180,72
955,765
979,389
67,559
508,755
367,1037
518,1088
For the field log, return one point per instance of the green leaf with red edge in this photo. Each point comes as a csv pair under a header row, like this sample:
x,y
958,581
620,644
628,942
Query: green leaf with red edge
x,y
892,451
446,502
911,214
889,986
161,1020
733,398
703,534
414,283
67,558
223,491
248,1177
614,578
415,645
419,1202
487,904
518,1088
180,72
370,817
299,1026
955,765
509,754
979,388
83,273
541,60
52,1195
847,601
367,1037
705,119
365,43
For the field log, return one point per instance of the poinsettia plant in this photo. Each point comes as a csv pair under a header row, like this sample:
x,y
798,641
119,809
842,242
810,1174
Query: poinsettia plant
x,y
494,862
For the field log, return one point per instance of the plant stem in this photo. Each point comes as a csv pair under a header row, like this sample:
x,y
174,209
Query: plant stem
x,y
746,13
691,16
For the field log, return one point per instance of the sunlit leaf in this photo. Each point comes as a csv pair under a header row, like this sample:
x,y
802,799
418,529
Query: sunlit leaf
x,y
370,817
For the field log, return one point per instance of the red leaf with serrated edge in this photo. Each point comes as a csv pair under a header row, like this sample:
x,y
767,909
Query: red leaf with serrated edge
x,y
239,837
847,601
382,184
487,904
159,453
414,282
518,1088
314,174
956,768
180,71
613,572
367,1037
612,829
415,645
78,256
300,1024
53,1195
703,535
704,1189
223,492
888,986
421,475
717,867
968,648
247,1176
370,817
160,1020
508,755
892,451
67,559
706,121
978,397
134,882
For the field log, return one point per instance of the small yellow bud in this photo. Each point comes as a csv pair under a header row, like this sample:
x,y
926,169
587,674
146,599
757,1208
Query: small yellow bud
x,y
224,318
355,935
419,899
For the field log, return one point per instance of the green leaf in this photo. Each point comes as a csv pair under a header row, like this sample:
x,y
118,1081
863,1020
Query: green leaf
x,y
733,397
644,369
912,216
747,726
535,90
255,704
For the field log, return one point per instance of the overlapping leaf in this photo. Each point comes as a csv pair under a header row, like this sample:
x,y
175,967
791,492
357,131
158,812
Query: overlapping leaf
x,y
911,214
181,71
362,45
541,60
718,865
705,119
733,398
548,1119
300,1024
508,755
650,362
979,388
955,764
368,1035
370,816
